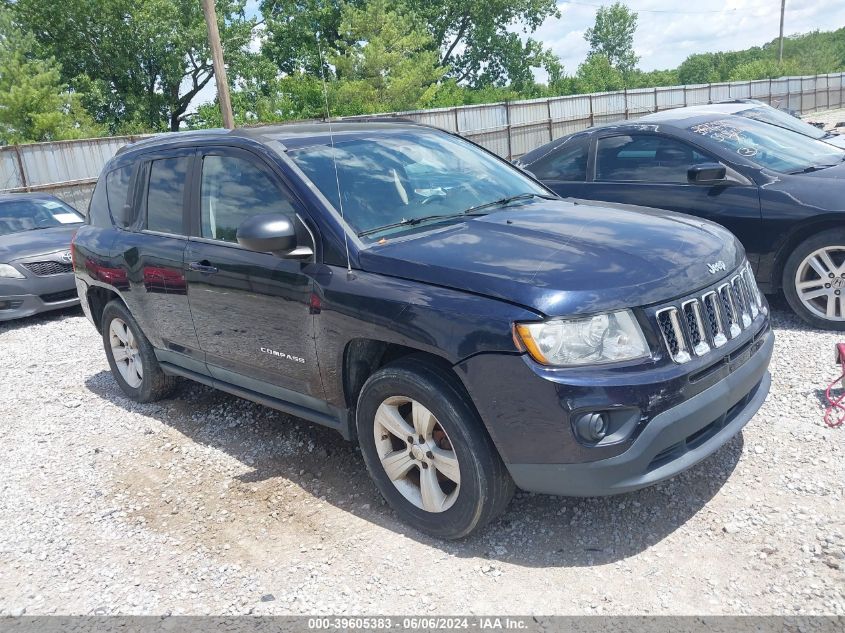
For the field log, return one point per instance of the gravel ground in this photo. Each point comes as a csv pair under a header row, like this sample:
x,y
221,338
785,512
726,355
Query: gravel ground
x,y
830,118
208,504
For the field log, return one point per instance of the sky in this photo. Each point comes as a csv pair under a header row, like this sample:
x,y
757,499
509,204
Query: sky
x,y
669,30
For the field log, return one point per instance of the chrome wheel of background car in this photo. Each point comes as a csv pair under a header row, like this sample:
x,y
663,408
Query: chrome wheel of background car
x,y
125,352
416,454
820,282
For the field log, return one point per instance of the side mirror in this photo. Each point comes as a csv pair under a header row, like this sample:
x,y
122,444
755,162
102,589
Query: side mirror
x,y
707,174
268,233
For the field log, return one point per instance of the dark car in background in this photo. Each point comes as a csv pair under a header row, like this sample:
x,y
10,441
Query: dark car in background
x,y
781,193
36,270
759,111
423,297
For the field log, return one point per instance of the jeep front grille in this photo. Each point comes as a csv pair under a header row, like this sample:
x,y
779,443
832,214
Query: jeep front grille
x,y
701,323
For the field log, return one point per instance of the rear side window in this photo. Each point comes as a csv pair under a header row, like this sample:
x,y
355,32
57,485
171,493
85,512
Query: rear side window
x,y
565,163
165,195
117,191
234,189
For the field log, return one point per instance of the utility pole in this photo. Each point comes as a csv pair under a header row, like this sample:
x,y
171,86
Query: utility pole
x,y
219,69
782,10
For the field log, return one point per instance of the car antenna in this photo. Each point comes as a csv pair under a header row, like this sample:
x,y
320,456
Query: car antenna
x,y
349,273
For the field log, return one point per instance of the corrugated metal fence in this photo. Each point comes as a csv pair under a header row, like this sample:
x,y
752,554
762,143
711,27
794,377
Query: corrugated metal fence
x,y
69,169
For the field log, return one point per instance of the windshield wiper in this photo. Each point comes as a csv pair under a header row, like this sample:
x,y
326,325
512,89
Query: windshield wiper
x,y
508,200
807,170
445,216
410,222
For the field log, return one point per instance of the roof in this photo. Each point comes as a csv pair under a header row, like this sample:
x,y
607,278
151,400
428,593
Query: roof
x,y
27,195
288,134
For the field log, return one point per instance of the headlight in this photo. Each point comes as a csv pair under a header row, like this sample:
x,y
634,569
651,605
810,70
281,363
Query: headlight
x,y
10,272
604,338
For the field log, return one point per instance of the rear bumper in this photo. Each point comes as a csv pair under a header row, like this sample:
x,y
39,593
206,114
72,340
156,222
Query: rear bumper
x,y
672,442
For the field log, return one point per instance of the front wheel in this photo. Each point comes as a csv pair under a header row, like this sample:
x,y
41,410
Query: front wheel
x,y
427,451
814,280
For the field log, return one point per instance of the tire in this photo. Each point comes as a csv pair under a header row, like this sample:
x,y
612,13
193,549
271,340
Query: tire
x,y
454,437
823,249
150,383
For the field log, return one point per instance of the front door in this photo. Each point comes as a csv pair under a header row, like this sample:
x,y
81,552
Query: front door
x,y
651,170
251,310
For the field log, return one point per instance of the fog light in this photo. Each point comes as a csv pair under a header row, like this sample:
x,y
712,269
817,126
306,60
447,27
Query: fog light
x,y
592,427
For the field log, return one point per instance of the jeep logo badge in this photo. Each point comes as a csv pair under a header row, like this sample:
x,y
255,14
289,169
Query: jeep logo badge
x,y
716,267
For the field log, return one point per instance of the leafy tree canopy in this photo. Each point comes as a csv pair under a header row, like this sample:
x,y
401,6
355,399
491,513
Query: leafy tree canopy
x,y
34,104
140,61
613,36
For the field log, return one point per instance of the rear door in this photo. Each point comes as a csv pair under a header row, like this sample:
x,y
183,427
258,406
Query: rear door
x,y
252,311
651,170
151,250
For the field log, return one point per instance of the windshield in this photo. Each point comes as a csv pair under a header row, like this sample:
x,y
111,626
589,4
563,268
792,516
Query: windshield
x,y
408,178
767,145
770,115
17,216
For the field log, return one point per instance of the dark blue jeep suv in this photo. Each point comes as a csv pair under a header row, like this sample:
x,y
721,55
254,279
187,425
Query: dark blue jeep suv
x,y
468,328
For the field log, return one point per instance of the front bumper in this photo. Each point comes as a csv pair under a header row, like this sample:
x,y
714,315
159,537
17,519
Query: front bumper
x,y
24,297
672,442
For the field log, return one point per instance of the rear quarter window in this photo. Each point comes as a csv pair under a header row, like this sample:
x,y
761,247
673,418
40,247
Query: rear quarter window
x,y
568,163
117,192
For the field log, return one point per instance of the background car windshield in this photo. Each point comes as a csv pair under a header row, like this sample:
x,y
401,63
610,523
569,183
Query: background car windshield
x,y
388,178
25,215
766,145
770,115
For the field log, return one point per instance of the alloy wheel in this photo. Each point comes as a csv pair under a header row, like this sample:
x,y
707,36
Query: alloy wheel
x,y
416,454
820,282
125,352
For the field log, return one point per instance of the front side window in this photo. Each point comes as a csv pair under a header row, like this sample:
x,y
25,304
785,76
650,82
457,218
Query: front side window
x,y
767,145
408,177
28,214
566,163
234,189
166,193
117,191
645,158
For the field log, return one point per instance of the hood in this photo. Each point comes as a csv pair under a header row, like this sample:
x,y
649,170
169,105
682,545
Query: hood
x,y
561,257
832,173
37,242
835,139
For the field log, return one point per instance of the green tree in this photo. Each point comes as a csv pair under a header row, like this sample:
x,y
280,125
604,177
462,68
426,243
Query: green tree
x,y
476,41
698,69
34,104
763,69
613,36
387,55
473,39
292,29
141,61
597,74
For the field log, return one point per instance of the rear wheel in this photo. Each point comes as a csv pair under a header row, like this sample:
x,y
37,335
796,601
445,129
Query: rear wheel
x,y
131,357
814,280
427,451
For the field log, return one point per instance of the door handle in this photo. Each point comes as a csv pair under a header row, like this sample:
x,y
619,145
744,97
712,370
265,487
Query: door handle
x,y
203,267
